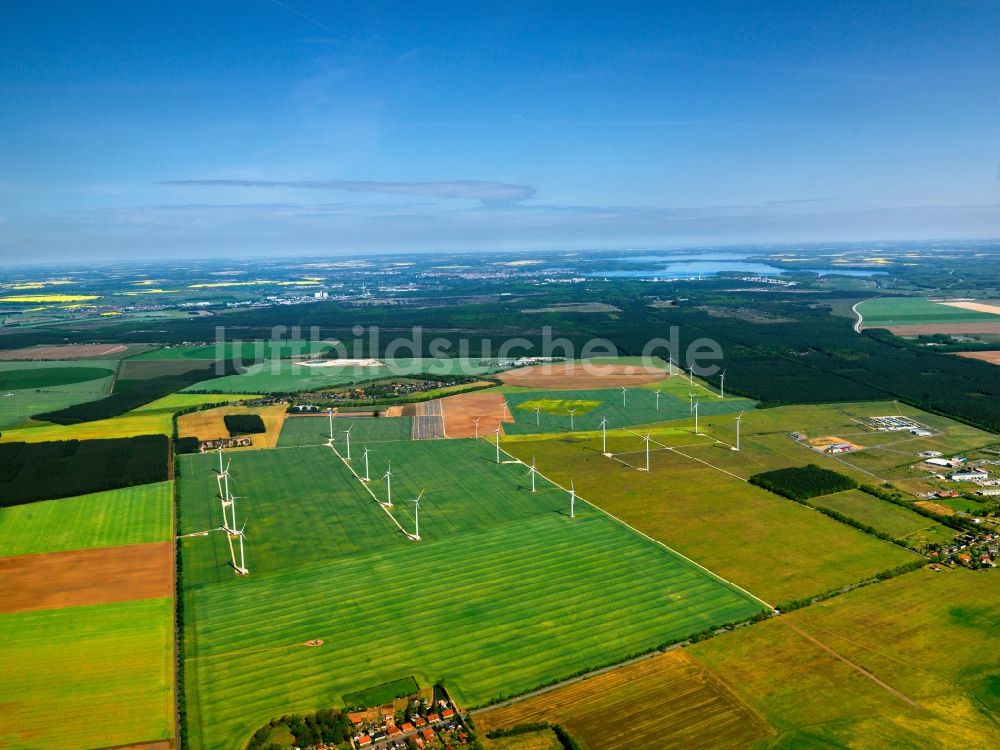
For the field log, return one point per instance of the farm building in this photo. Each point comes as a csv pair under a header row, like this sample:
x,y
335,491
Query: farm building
x,y
930,454
989,492
840,448
972,475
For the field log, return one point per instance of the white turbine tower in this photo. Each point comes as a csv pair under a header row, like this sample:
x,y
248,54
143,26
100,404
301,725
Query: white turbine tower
x,y
739,418
722,385
670,366
690,402
657,399
416,517
498,443
691,375
347,434
532,471
604,436
476,422
365,457
623,397
572,500
571,413
538,411
696,432
647,439
241,569
329,414
388,484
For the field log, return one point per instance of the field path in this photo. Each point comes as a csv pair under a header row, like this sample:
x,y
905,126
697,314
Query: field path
x,y
860,321
858,668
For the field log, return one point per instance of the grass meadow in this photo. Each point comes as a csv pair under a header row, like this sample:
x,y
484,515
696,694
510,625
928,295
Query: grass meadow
x,y
933,637
301,431
776,549
28,388
503,594
87,677
898,522
902,311
131,515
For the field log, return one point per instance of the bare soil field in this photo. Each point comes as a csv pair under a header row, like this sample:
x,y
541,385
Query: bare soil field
x,y
992,357
985,307
461,411
929,328
91,576
668,700
941,510
71,351
578,376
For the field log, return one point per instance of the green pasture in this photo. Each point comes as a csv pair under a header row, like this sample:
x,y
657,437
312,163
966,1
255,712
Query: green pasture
x,y
378,695
902,311
639,407
695,501
898,522
931,637
315,430
503,593
131,515
87,677
28,388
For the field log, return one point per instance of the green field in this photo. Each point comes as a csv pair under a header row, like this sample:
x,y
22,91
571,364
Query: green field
x,y
299,431
131,515
903,311
773,547
500,596
594,405
87,677
28,388
883,516
933,637
384,693
284,376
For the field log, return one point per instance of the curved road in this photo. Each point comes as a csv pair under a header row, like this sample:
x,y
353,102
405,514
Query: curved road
x,y
860,320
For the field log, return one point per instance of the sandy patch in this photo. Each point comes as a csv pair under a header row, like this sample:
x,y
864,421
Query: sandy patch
x,y
822,443
91,576
941,510
986,307
918,330
461,411
575,375
992,357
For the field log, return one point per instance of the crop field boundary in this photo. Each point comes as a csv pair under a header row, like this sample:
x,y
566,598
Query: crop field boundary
x,y
657,542
367,488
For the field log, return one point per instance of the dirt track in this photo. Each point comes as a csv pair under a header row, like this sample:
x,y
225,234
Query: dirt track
x,y
91,576
461,411
578,376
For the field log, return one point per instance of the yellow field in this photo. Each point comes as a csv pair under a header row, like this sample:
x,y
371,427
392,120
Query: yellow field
x,y
152,419
664,701
50,298
209,424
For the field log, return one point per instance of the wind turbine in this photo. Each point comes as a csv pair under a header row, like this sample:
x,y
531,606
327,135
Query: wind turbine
x,y
604,436
572,500
739,418
657,399
498,443
538,411
647,439
416,517
722,385
329,413
571,413
690,401
623,397
696,418
670,366
691,375
365,456
476,422
388,484
532,471
241,568
347,433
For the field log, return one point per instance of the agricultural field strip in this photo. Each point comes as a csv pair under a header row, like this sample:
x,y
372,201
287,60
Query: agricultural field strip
x,y
368,489
644,535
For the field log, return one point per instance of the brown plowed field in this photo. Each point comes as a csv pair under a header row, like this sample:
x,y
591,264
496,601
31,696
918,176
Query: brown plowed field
x,y
578,376
992,357
67,351
90,576
461,411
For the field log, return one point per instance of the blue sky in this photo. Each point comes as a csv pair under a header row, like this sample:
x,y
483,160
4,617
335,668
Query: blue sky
x,y
290,126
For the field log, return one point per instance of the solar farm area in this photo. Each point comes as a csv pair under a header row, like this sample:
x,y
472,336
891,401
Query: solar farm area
x,y
500,594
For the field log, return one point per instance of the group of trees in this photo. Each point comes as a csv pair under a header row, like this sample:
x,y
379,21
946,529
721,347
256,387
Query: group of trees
x,y
803,482
244,424
65,468
329,727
